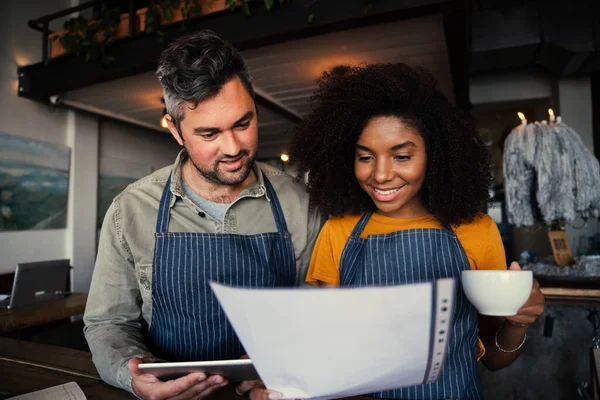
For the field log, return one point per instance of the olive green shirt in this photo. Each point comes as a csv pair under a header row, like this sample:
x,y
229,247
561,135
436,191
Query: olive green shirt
x,y
119,307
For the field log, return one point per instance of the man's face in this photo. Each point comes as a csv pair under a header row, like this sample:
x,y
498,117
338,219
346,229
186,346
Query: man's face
x,y
221,135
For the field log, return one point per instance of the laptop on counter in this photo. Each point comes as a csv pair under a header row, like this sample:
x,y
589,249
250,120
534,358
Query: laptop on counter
x,y
39,281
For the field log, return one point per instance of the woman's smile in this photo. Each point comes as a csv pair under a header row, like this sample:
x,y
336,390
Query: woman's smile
x,y
386,194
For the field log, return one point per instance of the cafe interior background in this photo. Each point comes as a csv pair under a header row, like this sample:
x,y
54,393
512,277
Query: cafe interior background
x,y
76,129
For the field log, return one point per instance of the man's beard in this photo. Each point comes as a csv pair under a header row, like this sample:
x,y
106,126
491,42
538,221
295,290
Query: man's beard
x,y
228,178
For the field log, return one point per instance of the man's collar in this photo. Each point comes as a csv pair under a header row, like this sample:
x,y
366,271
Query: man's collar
x,y
254,189
176,189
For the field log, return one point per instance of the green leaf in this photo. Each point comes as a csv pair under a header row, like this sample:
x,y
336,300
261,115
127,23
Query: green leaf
x,y
77,24
150,19
196,10
246,8
152,15
269,4
68,25
92,31
168,13
281,2
231,4
81,24
311,18
70,41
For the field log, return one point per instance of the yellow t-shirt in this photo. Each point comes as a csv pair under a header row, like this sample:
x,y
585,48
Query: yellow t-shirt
x,y
480,239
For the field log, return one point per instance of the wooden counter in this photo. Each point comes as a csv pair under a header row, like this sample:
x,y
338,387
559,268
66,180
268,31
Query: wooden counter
x,y
571,295
570,290
41,313
26,367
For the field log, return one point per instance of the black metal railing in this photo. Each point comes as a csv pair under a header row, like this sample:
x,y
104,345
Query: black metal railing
x,y
42,24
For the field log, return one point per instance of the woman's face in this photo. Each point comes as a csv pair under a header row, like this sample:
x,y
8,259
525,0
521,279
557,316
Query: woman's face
x,y
390,165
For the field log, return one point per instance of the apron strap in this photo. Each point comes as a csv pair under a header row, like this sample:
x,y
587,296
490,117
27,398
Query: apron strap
x,y
349,270
449,229
275,207
162,221
360,225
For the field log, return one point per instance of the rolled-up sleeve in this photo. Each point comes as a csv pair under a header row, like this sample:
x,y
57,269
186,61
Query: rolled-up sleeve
x,y
113,316
314,224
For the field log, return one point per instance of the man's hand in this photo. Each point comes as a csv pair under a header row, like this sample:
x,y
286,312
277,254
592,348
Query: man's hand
x,y
192,386
533,308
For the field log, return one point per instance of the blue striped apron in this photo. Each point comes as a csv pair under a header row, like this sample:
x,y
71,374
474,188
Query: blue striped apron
x,y
187,322
413,256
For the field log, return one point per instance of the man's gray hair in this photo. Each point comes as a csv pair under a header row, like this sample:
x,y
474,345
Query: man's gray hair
x,y
195,67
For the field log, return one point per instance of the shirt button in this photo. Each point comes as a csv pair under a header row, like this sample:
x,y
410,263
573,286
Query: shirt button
x,y
201,214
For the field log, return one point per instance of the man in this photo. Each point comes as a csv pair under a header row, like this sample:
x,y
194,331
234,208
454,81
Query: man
x,y
216,214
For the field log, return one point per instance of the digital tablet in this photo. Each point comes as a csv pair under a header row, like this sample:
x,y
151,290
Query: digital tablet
x,y
234,370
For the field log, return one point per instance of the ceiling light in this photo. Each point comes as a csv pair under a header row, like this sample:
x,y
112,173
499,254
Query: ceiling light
x,y
163,120
164,123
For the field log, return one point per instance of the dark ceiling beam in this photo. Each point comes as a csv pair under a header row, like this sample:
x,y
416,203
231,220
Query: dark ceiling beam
x,y
547,57
140,53
537,35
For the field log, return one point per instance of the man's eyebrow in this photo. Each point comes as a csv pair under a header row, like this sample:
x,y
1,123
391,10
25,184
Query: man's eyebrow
x,y
245,117
208,129
205,129
361,147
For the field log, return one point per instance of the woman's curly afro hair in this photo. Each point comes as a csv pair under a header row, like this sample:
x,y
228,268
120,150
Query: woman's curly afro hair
x,y
458,178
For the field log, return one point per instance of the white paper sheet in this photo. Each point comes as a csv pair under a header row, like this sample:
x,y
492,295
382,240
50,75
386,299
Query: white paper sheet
x,y
68,391
327,343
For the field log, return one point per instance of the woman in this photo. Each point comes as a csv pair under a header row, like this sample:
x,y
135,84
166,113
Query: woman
x,y
404,178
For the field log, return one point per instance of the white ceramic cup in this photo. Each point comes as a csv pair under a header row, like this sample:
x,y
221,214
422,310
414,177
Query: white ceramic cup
x,y
497,292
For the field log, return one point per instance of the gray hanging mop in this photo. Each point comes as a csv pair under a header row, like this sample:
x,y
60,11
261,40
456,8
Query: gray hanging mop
x,y
550,175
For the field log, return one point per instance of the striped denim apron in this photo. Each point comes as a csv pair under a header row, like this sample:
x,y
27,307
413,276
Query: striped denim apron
x,y
187,322
413,256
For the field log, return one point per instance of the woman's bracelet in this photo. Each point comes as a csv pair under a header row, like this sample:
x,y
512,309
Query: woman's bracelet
x,y
507,351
